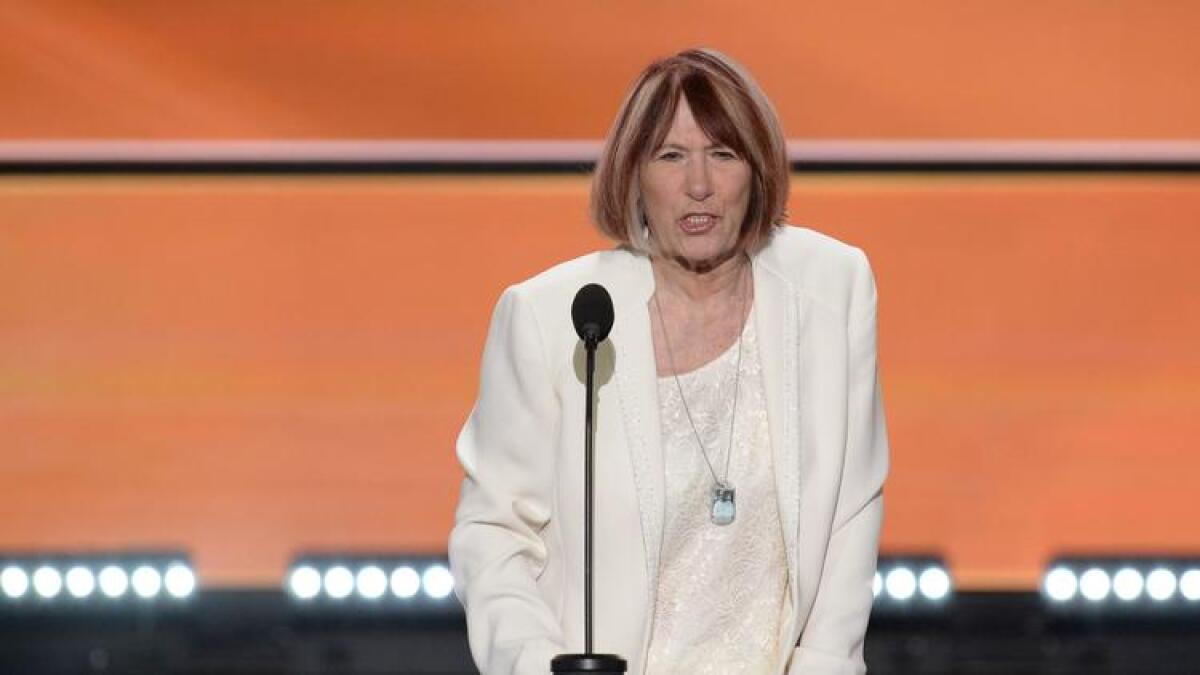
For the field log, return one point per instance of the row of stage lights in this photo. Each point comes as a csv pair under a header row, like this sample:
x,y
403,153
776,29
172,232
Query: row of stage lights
x,y
62,581
1127,584
378,581
424,584
906,581
79,580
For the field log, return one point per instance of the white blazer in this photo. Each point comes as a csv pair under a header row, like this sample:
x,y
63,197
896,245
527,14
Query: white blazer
x,y
517,545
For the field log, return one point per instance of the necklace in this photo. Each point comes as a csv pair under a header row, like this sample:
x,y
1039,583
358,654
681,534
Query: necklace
x,y
722,495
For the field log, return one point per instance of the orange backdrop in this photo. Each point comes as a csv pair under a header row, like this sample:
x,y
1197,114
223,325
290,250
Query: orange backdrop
x,y
249,366
1058,69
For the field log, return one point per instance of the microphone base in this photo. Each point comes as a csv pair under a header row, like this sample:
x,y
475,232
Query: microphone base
x,y
587,664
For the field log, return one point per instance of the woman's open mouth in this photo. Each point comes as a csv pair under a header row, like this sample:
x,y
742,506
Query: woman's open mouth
x,y
698,223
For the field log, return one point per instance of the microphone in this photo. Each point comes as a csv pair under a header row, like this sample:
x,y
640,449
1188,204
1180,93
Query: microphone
x,y
592,314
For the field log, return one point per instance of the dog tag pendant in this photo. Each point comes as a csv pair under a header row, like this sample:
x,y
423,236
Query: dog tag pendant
x,y
724,509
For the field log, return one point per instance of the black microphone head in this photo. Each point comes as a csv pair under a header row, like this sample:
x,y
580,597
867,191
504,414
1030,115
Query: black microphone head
x,y
592,313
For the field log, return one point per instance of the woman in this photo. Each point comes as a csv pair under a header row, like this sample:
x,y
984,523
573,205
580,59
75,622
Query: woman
x,y
741,448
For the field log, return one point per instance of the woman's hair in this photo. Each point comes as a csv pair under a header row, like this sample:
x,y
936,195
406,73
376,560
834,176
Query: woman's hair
x,y
728,106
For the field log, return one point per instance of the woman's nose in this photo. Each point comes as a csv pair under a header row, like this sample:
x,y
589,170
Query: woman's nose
x,y
699,182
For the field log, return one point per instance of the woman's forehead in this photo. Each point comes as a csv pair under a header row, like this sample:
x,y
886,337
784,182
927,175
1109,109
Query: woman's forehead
x,y
683,124
680,125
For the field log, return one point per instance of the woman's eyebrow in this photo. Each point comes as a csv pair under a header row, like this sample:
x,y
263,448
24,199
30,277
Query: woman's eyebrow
x,y
677,146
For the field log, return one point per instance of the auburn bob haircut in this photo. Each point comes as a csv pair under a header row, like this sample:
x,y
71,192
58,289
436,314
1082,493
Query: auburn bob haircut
x,y
731,109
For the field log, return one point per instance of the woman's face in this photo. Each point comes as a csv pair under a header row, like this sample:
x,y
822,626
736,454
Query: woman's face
x,y
695,193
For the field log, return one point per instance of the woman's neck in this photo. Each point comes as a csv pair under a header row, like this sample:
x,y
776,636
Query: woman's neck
x,y
674,279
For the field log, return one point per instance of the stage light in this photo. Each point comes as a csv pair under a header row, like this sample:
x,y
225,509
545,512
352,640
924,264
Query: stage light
x,y
179,581
47,582
339,582
14,582
934,583
1189,585
92,580
80,582
146,582
911,586
1160,584
405,582
1127,584
305,582
437,581
374,584
1094,584
900,583
113,581
1060,584
1122,585
371,582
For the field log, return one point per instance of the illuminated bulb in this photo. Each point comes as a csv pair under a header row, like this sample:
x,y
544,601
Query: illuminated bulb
x,y
305,582
1160,584
47,582
146,582
1189,585
113,581
179,580
371,582
405,582
80,581
934,583
339,582
1128,584
1061,584
14,582
1094,584
900,583
438,581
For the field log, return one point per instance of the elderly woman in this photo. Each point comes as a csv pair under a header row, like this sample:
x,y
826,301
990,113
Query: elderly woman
x,y
741,448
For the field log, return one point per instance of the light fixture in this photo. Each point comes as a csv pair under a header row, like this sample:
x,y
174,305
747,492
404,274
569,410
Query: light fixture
x,y
372,583
1123,585
50,581
906,585
14,582
80,582
1060,584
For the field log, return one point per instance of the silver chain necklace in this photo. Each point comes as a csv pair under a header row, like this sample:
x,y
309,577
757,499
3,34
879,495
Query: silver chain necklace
x,y
722,495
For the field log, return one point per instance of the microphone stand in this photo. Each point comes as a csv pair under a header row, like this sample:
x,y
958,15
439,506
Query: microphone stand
x,y
589,663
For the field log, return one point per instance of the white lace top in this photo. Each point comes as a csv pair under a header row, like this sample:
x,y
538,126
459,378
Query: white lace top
x,y
722,589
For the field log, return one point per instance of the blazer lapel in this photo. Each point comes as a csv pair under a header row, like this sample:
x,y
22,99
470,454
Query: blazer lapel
x,y
637,382
777,309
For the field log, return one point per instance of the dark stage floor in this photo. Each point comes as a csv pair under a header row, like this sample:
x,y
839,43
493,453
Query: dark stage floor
x,y
260,632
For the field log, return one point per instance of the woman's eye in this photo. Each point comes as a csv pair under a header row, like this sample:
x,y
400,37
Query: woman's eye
x,y
724,154
670,155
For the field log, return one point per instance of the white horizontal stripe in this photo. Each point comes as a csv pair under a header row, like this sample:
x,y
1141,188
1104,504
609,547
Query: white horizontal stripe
x,y
530,151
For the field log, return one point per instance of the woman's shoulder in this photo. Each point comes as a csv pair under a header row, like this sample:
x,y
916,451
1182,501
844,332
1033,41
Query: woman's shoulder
x,y
546,298
794,248
829,271
607,268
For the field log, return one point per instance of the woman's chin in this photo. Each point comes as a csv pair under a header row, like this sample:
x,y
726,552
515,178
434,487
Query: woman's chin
x,y
703,260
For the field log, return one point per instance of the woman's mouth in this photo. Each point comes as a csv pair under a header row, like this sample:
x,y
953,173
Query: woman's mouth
x,y
697,223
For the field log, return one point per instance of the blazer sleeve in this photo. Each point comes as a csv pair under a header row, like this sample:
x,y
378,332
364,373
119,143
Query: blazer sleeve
x,y
506,450
832,640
